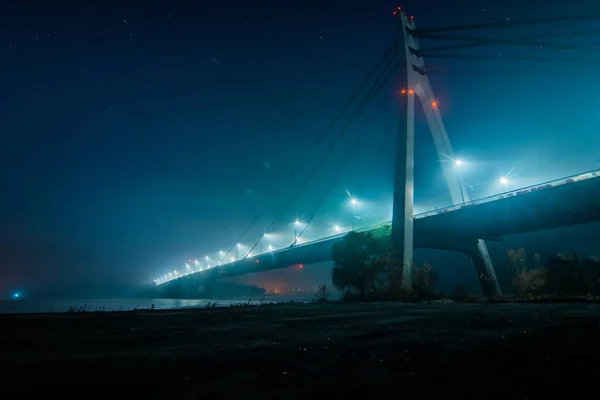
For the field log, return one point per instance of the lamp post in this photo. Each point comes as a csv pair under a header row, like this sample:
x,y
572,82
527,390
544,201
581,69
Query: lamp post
x,y
352,204
296,224
459,163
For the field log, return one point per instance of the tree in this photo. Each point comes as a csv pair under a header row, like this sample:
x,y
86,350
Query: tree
x,y
356,266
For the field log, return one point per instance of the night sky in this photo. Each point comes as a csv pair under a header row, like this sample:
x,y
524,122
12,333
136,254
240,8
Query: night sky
x,y
137,135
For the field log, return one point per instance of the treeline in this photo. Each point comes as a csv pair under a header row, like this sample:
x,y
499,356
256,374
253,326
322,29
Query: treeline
x,y
560,277
365,270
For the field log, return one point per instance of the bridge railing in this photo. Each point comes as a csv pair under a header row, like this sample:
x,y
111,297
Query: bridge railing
x,y
339,235
527,189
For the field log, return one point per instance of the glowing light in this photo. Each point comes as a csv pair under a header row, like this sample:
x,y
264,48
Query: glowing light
x,y
458,162
403,91
232,259
434,104
221,253
504,180
257,261
16,295
297,222
411,91
239,245
207,257
270,247
337,228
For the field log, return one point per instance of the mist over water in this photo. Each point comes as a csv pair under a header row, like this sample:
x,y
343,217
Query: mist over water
x,y
104,304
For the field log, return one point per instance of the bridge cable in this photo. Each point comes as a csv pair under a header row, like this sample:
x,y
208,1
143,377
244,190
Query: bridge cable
x,y
390,52
522,57
479,42
386,55
344,163
239,238
368,97
503,24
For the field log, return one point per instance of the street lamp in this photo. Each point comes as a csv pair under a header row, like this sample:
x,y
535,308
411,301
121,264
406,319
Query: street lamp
x,y
237,247
504,181
353,202
337,228
296,225
459,163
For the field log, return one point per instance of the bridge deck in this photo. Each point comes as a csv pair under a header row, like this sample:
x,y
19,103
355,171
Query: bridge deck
x,y
568,201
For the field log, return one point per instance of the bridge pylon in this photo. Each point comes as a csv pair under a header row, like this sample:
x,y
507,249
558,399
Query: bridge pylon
x,y
416,83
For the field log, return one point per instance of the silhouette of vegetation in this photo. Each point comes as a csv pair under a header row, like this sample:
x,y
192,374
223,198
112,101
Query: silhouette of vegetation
x,y
561,277
365,269
322,294
460,292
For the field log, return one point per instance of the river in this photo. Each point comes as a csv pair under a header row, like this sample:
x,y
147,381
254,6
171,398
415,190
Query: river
x,y
63,305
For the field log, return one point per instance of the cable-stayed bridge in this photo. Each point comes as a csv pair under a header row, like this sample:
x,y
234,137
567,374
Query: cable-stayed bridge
x,y
462,227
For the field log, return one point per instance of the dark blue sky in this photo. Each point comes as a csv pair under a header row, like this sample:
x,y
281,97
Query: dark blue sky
x,y
136,134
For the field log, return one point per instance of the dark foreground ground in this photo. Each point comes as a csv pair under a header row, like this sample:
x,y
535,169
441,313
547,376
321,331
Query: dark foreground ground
x,y
508,351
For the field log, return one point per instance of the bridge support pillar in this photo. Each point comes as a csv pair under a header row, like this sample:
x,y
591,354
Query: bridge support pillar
x,y
413,75
482,264
403,203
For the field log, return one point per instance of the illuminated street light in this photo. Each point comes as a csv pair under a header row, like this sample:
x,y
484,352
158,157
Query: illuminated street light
x,y
353,202
337,228
270,248
207,258
232,259
221,253
296,224
459,163
504,180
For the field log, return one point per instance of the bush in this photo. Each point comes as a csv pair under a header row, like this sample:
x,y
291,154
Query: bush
x,y
562,277
530,284
322,294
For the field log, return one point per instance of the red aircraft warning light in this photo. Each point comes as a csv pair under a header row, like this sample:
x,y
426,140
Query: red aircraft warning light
x,y
434,104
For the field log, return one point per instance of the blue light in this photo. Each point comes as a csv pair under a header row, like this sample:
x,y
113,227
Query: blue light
x,y
16,295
